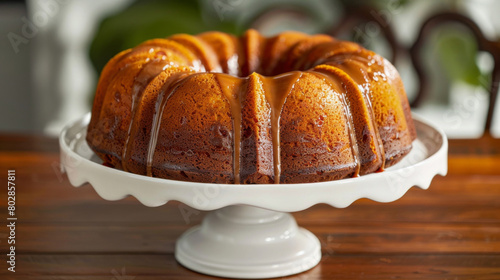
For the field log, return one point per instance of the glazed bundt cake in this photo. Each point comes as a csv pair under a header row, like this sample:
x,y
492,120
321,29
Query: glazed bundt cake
x,y
292,108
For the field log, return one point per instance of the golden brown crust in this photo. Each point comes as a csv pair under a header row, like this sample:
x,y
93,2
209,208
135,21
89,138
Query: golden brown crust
x,y
169,109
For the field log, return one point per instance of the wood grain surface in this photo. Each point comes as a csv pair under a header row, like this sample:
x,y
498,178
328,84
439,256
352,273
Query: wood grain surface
x,y
451,231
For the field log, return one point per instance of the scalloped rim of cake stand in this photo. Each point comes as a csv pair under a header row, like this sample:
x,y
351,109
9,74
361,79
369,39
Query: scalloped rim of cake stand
x,y
427,159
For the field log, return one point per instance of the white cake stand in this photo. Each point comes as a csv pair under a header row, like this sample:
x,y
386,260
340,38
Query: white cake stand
x,y
250,234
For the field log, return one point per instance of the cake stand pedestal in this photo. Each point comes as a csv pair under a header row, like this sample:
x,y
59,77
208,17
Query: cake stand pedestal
x,y
249,233
248,242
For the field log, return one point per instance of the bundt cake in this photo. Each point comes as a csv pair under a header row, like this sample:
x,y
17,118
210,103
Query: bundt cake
x,y
293,108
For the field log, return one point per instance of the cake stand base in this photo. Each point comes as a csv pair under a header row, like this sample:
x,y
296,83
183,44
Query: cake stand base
x,y
248,242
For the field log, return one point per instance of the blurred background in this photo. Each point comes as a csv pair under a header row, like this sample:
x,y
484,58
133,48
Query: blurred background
x,y
448,52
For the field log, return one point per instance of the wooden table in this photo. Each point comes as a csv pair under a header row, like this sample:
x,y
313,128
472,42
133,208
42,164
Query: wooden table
x,y
451,231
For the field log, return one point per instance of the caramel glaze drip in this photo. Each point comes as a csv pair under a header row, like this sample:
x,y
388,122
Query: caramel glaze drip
x,y
378,142
167,90
276,90
359,69
352,134
233,89
347,114
145,75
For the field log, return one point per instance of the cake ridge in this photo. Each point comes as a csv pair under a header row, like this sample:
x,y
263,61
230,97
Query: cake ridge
x,y
376,127
300,48
275,47
149,70
367,93
252,45
170,47
353,95
350,122
326,51
199,49
121,91
106,73
173,82
229,47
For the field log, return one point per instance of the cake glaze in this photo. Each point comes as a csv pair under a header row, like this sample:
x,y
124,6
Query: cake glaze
x,y
293,108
